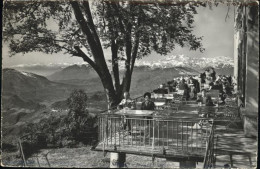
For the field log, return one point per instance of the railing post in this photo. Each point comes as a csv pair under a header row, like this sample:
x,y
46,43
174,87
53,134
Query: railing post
x,y
117,160
153,134
21,150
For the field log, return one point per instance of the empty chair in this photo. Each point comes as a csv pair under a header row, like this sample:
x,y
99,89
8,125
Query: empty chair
x,y
232,115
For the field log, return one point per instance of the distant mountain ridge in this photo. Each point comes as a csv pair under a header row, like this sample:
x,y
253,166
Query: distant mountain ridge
x,y
166,62
191,62
74,72
32,87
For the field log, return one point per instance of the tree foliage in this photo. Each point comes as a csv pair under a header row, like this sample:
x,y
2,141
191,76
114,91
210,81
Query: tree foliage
x,y
78,126
77,102
130,29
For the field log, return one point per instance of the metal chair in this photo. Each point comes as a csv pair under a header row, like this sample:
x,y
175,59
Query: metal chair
x,y
232,114
214,94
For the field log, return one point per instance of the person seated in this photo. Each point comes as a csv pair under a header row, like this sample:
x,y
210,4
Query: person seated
x,y
193,92
208,80
205,99
202,77
219,77
161,90
190,81
216,86
147,104
229,79
196,83
227,89
207,72
184,86
127,102
174,83
213,74
210,85
169,87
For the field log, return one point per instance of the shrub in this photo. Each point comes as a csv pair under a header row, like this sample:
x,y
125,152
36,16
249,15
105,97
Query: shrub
x,y
64,131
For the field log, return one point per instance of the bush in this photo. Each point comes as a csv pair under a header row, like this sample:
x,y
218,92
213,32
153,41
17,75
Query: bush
x,y
7,147
64,131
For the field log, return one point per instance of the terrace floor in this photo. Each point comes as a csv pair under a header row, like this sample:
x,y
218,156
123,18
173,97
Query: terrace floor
x,y
234,149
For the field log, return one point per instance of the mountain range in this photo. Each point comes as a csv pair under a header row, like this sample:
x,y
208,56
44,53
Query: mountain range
x,y
191,62
74,72
170,61
32,87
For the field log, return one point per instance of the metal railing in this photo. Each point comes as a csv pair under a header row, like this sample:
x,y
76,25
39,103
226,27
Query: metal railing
x,y
209,159
182,135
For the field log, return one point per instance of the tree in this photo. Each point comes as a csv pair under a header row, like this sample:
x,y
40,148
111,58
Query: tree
x,y
131,30
78,121
78,113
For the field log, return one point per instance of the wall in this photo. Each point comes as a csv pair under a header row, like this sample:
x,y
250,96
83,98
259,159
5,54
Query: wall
x,y
246,55
252,58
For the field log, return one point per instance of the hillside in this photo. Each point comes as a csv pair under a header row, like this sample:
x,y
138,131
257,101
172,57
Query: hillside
x,y
28,97
14,101
29,86
73,72
144,78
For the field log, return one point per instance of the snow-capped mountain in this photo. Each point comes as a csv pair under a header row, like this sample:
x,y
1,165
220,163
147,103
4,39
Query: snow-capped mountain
x,y
165,62
186,61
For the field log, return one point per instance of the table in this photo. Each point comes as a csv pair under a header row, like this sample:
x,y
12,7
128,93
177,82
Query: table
x,y
142,113
169,96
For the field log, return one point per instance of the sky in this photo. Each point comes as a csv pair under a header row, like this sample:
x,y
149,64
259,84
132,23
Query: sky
x,y
218,40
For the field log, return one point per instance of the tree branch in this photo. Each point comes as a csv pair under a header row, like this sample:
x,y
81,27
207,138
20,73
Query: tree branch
x,y
87,59
114,50
85,29
90,21
136,45
92,39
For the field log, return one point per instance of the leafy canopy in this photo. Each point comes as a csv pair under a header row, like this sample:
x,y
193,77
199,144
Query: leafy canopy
x,y
52,27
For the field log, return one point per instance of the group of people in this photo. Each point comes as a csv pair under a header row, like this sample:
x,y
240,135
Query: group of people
x,y
129,103
192,85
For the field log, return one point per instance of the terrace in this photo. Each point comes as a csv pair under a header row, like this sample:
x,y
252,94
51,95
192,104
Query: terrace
x,y
182,131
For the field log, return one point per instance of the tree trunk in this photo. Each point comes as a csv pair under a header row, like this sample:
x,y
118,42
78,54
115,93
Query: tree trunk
x,y
114,50
112,98
99,63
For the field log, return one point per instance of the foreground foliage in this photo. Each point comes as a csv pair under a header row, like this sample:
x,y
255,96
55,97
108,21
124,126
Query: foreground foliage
x,y
76,128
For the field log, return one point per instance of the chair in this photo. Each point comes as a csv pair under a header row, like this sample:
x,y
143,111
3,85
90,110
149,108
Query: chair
x,y
214,94
159,103
180,96
232,114
208,111
138,105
